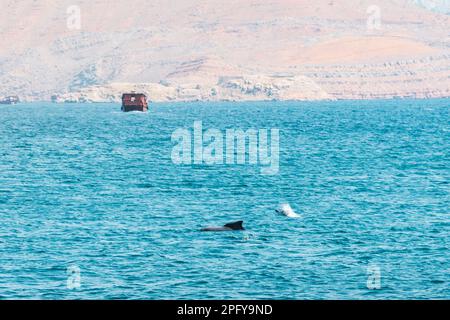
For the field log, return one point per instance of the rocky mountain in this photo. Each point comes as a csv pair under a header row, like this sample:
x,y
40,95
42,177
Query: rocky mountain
x,y
180,50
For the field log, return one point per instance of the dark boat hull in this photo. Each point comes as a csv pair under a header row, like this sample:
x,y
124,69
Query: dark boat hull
x,y
134,108
10,100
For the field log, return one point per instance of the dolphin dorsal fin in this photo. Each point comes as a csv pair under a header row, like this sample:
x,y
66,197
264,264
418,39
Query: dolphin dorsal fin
x,y
235,225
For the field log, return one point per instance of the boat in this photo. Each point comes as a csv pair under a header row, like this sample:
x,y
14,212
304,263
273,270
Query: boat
x,y
134,102
10,100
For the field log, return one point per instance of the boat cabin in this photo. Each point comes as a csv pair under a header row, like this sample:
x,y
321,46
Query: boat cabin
x,y
134,102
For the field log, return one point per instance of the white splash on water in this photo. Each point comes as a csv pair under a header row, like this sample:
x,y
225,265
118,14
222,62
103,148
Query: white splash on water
x,y
286,209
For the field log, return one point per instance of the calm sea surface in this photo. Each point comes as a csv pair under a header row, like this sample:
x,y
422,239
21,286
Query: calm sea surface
x,y
84,187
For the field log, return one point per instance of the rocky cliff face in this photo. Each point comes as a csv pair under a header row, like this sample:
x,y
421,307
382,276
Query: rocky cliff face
x,y
225,50
242,88
417,78
427,77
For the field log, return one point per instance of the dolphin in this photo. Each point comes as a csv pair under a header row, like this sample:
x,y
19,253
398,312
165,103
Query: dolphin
x,y
286,209
232,226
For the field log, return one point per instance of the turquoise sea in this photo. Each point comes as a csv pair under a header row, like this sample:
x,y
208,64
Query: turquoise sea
x,y
92,206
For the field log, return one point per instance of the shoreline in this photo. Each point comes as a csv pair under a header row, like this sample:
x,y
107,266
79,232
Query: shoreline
x,y
233,101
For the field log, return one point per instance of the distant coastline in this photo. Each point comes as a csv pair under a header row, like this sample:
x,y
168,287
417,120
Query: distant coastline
x,y
420,78
237,101
282,51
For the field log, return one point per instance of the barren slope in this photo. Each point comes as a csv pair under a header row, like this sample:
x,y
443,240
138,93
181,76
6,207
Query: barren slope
x,y
234,49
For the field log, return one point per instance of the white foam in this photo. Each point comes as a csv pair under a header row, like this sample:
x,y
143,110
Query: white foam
x,y
286,209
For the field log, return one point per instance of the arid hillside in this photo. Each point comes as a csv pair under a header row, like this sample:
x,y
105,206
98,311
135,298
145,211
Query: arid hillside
x,y
181,50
